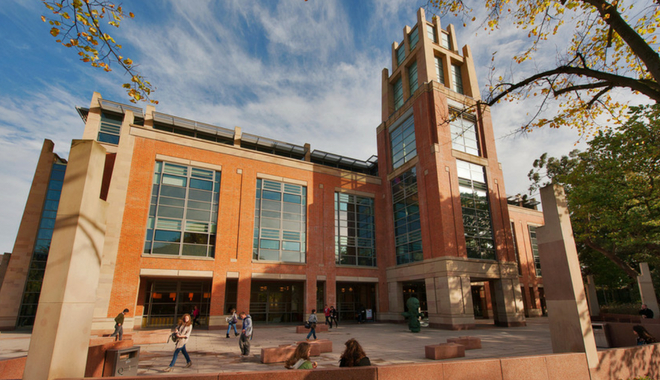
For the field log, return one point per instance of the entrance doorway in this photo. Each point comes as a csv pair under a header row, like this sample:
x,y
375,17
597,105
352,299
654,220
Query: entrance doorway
x,y
167,301
417,288
277,301
352,297
479,301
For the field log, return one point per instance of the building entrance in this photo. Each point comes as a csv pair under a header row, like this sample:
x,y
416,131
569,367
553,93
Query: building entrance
x,y
169,300
352,297
418,288
479,301
277,301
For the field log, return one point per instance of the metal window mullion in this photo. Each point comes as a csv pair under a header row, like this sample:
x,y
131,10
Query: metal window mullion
x,y
160,189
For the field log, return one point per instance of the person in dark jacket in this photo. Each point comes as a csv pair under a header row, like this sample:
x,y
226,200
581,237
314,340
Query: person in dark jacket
x,y
119,325
645,312
354,355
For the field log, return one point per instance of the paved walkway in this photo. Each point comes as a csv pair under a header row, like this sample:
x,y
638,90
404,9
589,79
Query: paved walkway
x,y
384,344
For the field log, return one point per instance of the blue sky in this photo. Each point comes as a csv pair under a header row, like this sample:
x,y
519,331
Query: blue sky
x,y
296,71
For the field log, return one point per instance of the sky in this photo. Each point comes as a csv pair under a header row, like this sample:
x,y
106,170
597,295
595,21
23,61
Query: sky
x,y
292,70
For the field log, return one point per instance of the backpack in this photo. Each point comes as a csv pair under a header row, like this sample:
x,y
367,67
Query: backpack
x,y
172,337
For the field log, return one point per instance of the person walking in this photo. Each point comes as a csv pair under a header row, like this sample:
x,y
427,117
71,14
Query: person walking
x,y
119,325
246,334
231,322
328,317
183,330
334,316
300,358
195,316
312,324
353,355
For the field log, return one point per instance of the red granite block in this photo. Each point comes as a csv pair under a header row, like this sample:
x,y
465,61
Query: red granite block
x,y
444,351
470,342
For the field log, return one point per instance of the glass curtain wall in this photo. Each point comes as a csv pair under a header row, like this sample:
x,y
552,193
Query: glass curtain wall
x,y
354,230
407,227
277,301
476,211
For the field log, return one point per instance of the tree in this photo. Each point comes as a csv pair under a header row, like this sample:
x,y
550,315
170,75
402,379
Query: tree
x,y
82,25
613,190
613,45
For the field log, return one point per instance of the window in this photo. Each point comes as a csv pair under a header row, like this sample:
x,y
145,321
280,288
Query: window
x,y
445,40
464,135
535,250
110,127
280,222
398,94
457,80
440,70
412,78
354,230
402,139
35,274
400,54
515,247
476,211
430,32
414,38
407,227
184,211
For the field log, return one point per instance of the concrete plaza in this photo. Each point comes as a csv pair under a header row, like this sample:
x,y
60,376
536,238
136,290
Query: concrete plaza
x,y
385,344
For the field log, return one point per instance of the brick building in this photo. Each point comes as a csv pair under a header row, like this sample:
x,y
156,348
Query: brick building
x,y
217,218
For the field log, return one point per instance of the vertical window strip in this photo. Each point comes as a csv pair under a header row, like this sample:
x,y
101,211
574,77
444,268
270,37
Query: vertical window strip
x,y
439,70
445,40
430,31
280,222
184,211
412,78
457,78
354,230
407,227
475,207
535,250
109,128
400,54
402,141
414,38
515,247
464,135
398,94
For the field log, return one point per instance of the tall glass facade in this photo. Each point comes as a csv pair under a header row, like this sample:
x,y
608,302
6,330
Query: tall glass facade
x,y
354,230
398,94
535,250
35,275
412,78
476,211
280,222
402,141
407,227
184,211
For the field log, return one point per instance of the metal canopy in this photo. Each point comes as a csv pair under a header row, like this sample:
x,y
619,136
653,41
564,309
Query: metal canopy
x,y
273,144
192,125
109,105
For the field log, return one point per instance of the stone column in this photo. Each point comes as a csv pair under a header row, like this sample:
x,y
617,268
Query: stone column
x,y
646,289
396,306
570,324
508,309
592,297
453,303
60,338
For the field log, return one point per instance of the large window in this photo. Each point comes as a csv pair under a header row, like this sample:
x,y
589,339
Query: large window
x,y
280,222
476,211
439,70
407,227
184,211
166,301
354,230
535,250
445,40
398,94
464,135
430,32
457,79
412,78
400,54
110,127
515,247
414,38
402,139
35,275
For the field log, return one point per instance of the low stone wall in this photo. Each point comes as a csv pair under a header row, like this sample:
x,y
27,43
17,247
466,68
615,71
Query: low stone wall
x,y
12,368
628,363
620,334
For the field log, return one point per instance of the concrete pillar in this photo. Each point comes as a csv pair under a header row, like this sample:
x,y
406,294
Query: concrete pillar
x,y
453,303
592,297
395,301
646,289
68,295
508,308
570,325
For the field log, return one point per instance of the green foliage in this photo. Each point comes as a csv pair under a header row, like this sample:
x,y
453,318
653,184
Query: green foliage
x,y
613,191
621,308
81,25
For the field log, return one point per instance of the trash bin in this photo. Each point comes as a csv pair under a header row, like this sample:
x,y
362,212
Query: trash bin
x,y
121,362
599,334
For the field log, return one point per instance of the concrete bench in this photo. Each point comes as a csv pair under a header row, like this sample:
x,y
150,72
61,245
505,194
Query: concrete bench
x,y
470,342
319,328
282,353
444,351
324,345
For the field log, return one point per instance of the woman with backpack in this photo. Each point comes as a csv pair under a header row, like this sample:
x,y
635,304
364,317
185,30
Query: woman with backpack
x,y
182,332
232,321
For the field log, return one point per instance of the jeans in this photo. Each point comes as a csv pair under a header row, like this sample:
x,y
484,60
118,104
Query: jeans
x,y
244,344
176,353
229,328
119,331
312,331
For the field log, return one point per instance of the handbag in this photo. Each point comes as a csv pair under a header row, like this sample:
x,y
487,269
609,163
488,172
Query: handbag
x,y
307,325
172,337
